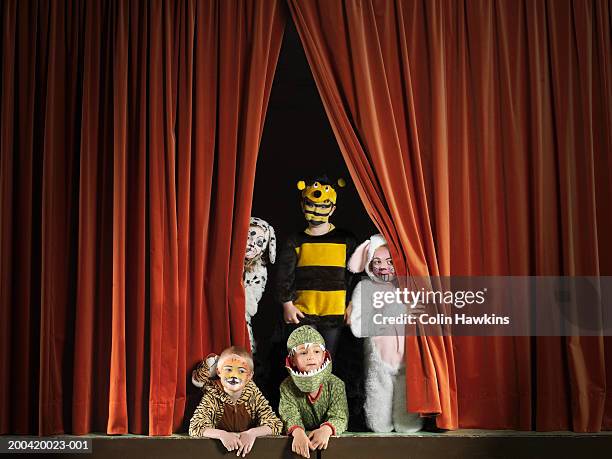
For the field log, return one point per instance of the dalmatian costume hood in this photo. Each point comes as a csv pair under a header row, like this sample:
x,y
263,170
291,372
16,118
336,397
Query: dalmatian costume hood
x,y
261,248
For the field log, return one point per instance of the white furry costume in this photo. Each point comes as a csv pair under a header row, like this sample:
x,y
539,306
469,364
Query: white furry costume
x,y
255,272
385,378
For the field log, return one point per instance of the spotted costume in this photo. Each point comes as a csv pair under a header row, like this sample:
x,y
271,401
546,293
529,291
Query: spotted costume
x,y
255,269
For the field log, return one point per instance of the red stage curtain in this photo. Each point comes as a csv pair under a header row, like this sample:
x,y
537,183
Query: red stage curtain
x,y
129,135
478,136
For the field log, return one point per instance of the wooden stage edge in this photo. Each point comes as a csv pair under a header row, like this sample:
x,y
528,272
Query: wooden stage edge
x,y
455,445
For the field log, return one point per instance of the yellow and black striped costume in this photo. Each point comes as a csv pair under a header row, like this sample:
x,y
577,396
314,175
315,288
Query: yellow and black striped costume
x,y
215,402
312,272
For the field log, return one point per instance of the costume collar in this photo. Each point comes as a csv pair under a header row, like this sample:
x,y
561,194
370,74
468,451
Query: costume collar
x,y
313,400
331,228
246,393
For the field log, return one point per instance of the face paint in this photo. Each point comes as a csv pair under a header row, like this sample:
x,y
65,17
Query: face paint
x,y
317,214
318,203
234,373
382,264
255,243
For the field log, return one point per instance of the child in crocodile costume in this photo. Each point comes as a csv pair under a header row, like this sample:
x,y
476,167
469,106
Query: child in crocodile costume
x,y
311,398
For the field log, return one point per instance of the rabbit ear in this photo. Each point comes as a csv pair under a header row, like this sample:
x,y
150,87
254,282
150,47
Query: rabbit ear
x,y
359,259
272,245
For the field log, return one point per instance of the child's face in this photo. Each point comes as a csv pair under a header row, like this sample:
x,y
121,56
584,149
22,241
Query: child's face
x,y
308,358
317,213
382,264
318,203
255,242
234,373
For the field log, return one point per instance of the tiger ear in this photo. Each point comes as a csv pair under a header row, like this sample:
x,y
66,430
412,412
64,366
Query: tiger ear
x,y
341,182
301,185
206,369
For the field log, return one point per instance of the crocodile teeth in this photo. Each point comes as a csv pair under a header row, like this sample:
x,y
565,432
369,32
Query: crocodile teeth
x,y
311,372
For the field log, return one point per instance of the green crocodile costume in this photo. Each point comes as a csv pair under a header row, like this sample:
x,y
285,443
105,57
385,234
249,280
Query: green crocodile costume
x,y
297,408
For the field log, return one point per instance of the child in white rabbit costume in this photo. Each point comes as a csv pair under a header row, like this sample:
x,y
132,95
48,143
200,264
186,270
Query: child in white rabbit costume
x,y
385,374
261,249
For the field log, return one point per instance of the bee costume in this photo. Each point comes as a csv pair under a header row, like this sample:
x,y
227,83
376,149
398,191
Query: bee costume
x,y
312,269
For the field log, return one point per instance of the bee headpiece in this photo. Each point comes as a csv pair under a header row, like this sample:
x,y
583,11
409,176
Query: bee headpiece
x,y
319,199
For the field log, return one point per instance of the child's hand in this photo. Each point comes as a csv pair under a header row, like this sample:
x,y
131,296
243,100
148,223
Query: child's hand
x,y
347,313
291,314
247,438
230,440
319,438
300,443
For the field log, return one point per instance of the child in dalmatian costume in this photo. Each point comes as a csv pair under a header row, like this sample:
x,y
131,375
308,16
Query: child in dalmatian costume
x,y
261,249
385,378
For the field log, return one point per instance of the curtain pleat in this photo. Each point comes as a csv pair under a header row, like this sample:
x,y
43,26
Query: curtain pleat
x,y
129,135
478,137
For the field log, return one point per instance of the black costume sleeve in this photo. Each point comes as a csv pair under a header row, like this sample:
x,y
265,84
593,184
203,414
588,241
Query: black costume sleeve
x,y
351,279
285,272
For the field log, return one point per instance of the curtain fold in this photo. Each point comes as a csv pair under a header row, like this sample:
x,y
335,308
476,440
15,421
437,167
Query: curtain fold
x,y
359,57
478,136
129,134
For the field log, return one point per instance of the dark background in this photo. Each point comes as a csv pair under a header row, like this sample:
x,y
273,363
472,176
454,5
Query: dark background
x,y
297,144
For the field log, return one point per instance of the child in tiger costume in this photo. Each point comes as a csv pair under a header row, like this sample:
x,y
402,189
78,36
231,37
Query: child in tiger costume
x,y
232,408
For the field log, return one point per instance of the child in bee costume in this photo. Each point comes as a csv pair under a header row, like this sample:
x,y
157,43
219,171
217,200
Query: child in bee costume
x,y
260,250
385,378
312,279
